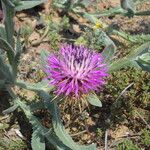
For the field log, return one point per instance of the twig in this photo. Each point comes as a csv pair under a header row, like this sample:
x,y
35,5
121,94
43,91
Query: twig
x,y
124,90
116,142
3,118
142,119
84,131
42,37
106,140
129,136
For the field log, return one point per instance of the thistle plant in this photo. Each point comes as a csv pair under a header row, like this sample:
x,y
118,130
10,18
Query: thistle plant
x,y
74,71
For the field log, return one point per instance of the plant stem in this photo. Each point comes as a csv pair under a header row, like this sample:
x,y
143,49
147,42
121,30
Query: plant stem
x,y
106,139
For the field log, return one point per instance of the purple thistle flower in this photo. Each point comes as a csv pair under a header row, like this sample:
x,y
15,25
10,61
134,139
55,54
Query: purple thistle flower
x,y
76,70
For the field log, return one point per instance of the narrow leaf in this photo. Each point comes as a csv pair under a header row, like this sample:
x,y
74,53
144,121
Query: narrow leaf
x,y
36,106
43,56
59,129
110,47
2,83
119,64
18,49
5,71
23,5
144,48
130,59
90,17
40,86
127,4
144,62
11,109
143,13
86,3
37,141
9,12
64,136
109,52
50,136
7,47
2,32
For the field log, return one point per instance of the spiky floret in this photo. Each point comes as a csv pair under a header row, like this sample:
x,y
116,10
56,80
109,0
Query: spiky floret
x,y
76,70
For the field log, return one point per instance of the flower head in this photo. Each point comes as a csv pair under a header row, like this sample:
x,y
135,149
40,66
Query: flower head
x,y
76,70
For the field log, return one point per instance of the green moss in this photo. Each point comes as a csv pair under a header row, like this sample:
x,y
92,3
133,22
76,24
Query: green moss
x,y
17,145
13,145
99,132
145,137
140,79
137,96
127,145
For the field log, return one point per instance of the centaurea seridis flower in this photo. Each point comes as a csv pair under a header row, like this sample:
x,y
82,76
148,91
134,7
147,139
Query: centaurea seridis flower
x,y
76,70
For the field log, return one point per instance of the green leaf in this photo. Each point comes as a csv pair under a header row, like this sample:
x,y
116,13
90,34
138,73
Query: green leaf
x,y
144,61
139,38
2,83
11,109
43,56
8,10
141,57
144,48
86,3
110,47
7,47
6,71
36,125
109,52
40,86
143,13
2,32
57,141
94,100
36,106
37,141
131,59
59,129
18,49
145,58
119,64
127,4
28,4
90,17
63,135
111,12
